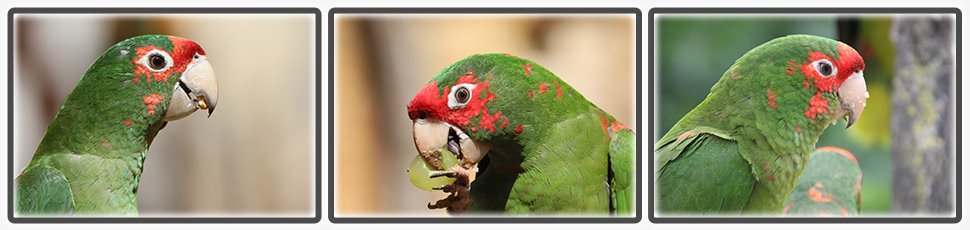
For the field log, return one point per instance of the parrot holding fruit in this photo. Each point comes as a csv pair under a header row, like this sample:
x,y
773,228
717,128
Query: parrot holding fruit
x,y
548,149
91,157
829,186
742,149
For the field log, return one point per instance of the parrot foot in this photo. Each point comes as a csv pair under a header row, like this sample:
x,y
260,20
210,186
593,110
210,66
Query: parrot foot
x,y
459,200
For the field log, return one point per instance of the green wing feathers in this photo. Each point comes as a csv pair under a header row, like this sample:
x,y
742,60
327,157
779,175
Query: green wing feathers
x,y
702,172
43,190
622,150
829,186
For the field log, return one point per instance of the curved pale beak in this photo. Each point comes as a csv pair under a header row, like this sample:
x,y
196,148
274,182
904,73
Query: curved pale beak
x,y
853,95
432,135
197,89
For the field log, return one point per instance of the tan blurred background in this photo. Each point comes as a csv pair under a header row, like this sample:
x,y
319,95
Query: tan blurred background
x,y
253,157
383,60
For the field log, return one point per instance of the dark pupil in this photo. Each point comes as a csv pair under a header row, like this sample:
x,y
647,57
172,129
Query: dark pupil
x,y
825,68
156,61
462,95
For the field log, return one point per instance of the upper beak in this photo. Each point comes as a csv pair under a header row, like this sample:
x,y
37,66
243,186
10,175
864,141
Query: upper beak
x,y
853,95
197,89
432,135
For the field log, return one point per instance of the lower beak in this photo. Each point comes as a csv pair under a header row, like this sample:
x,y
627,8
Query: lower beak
x,y
853,95
431,136
197,89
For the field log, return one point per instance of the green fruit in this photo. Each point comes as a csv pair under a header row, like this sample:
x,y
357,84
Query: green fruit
x,y
420,171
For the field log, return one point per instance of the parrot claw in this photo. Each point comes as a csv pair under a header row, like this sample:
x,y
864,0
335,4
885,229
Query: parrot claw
x,y
445,174
444,188
455,203
459,200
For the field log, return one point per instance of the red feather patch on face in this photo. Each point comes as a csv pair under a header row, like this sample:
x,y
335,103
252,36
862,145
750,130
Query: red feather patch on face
x,y
183,50
182,53
142,70
817,105
151,101
849,62
826,84
488,122
432,103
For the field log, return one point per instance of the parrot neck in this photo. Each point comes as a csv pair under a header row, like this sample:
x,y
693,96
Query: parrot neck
x,y
97,124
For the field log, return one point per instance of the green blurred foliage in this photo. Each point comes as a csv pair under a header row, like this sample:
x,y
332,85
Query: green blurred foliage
x,y
694,51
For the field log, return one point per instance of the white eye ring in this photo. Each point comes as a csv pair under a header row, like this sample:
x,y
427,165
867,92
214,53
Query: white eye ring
x,y
154,67
453,99
822,66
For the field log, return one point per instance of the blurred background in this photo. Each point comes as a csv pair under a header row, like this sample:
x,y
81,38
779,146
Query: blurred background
x,y
253,157
904,138
383,60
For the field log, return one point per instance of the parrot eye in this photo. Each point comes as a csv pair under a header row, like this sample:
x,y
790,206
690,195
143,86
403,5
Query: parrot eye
x,y
825,68
460,95
157,60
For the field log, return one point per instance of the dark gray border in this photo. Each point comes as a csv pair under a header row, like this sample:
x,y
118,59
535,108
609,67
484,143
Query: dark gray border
x,y
669,11
635,11
10,67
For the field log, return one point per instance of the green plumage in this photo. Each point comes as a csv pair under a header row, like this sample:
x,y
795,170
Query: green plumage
x,y
742,148
552,150
91,156
829,186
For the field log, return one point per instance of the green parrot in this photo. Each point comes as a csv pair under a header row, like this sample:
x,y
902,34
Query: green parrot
x,y
741,150
829,186
91,157
546,149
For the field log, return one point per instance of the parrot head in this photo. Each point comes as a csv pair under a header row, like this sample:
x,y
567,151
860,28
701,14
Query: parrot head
x,y
130,92
163,68
810,80
487,102
841,73
441,116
